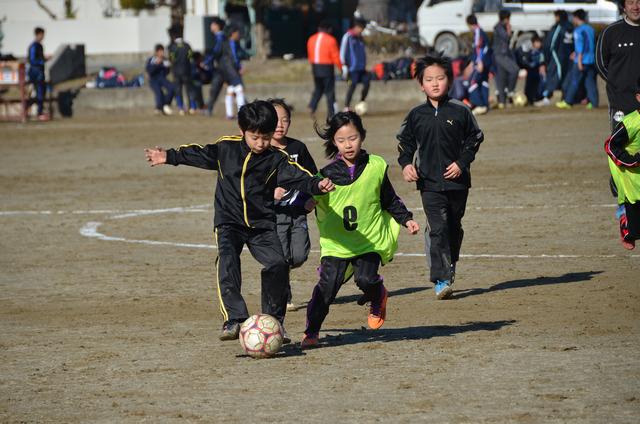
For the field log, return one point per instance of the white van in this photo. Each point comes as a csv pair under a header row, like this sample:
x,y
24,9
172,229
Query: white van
x,y
440,22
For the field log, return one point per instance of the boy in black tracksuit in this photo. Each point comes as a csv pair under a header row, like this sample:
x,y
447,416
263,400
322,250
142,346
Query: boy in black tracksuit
x,y
249,170
291,213
438,140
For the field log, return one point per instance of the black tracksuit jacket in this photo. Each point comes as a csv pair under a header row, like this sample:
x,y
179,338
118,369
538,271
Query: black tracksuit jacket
x,y
618,63
433,138
246,180
338,172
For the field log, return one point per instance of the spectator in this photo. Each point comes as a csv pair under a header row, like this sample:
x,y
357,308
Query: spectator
x,y
481,63
36,70
158,68
323,55
507,68
558,46
353,56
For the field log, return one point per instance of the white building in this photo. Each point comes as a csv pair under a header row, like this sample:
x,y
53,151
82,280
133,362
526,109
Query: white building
x,y
101,25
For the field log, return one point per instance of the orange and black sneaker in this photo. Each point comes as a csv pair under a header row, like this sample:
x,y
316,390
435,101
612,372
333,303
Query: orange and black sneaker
x,y
378,310
309,341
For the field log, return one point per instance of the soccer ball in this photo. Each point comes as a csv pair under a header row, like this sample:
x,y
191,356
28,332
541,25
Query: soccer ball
x,y
519,99
261,336
361,108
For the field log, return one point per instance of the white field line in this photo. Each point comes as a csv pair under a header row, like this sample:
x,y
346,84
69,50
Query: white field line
x,y
90,230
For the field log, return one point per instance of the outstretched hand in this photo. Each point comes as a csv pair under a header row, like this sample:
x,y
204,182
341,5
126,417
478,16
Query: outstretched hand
x,y
409,173
412,227
157,156
326,185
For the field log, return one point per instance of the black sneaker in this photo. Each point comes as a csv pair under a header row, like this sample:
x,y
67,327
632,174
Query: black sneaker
x,y
230,331
285,336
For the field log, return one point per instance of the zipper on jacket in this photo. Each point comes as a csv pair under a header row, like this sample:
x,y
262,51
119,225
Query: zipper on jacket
x,y
244,199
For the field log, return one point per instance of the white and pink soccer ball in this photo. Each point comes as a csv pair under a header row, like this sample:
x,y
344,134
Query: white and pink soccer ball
x,y
261,336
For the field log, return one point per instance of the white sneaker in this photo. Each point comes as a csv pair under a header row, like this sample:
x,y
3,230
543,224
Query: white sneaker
x,y
181,112
542,103
291,307
167,110
479,110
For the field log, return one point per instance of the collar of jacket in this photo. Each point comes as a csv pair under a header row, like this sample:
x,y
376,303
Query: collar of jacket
x,y
338,170
443,101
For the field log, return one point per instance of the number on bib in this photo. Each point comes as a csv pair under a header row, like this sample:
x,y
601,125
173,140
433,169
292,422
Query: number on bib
x,y
349,218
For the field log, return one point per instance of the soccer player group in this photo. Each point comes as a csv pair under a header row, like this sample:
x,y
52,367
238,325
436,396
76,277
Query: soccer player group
x,y
267,183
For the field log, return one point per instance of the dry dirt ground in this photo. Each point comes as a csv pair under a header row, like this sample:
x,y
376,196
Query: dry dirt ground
x,y
109,313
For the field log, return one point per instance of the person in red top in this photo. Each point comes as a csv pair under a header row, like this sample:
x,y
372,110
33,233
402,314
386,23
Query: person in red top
x,y
323,54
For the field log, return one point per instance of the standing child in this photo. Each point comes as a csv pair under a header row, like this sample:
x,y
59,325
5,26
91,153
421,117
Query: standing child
x,y
249,170
353,55
481,57
291,214
36,70
583,70
534,63
180,55
358,224
623,148
444,137
158,69
231,66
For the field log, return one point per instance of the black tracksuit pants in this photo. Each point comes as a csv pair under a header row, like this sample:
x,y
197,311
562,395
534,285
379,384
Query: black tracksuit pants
x,y
323,85
444,210
333,274
264,246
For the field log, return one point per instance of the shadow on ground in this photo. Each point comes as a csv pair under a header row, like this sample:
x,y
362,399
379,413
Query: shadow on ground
x,y
570,277
363,335
399,292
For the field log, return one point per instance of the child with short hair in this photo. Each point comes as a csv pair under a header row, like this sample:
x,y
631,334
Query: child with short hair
x,y
158,68
623,149
180,55
291,214
231,67
443,136
358,223
534,63
249,170
36,72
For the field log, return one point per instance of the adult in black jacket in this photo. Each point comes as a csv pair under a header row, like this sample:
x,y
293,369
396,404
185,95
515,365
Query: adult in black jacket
x,y
618,61
249,170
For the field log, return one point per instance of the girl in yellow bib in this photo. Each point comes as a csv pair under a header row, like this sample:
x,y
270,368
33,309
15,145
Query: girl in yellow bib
x,y
359,224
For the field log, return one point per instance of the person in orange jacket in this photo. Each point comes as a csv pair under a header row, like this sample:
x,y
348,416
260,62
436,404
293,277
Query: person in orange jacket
x,y
323,55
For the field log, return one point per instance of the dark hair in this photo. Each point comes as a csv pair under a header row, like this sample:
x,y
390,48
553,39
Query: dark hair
x,y
280,102
216,20
258,116
503,14
175,31
362,23
472,20
158,47
580,14
535,37
562,14
38,30
334,123
638,86
431,60
231,28
325,25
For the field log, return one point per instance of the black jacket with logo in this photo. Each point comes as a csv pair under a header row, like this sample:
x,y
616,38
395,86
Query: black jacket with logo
x,y
340,174
246,180
433,138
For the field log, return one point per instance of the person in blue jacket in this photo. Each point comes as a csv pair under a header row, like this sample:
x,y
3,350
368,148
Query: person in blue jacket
x,y
584,68
36,68
157,68
558,46
353,57
481,61
212,62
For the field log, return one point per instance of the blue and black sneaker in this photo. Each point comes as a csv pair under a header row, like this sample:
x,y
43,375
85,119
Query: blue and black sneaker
x,y
443,289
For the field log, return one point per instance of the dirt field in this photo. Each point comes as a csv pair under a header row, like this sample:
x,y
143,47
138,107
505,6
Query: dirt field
x,y
109,314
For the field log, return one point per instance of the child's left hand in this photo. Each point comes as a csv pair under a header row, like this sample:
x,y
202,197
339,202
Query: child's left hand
x,y
452,172
412,227
326,185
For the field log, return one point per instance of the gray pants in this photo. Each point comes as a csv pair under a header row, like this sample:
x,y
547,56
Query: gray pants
x,y
293,233
506,76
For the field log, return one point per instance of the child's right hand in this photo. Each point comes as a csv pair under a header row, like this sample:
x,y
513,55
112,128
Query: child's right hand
x,y
326,185
157,156
409,173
